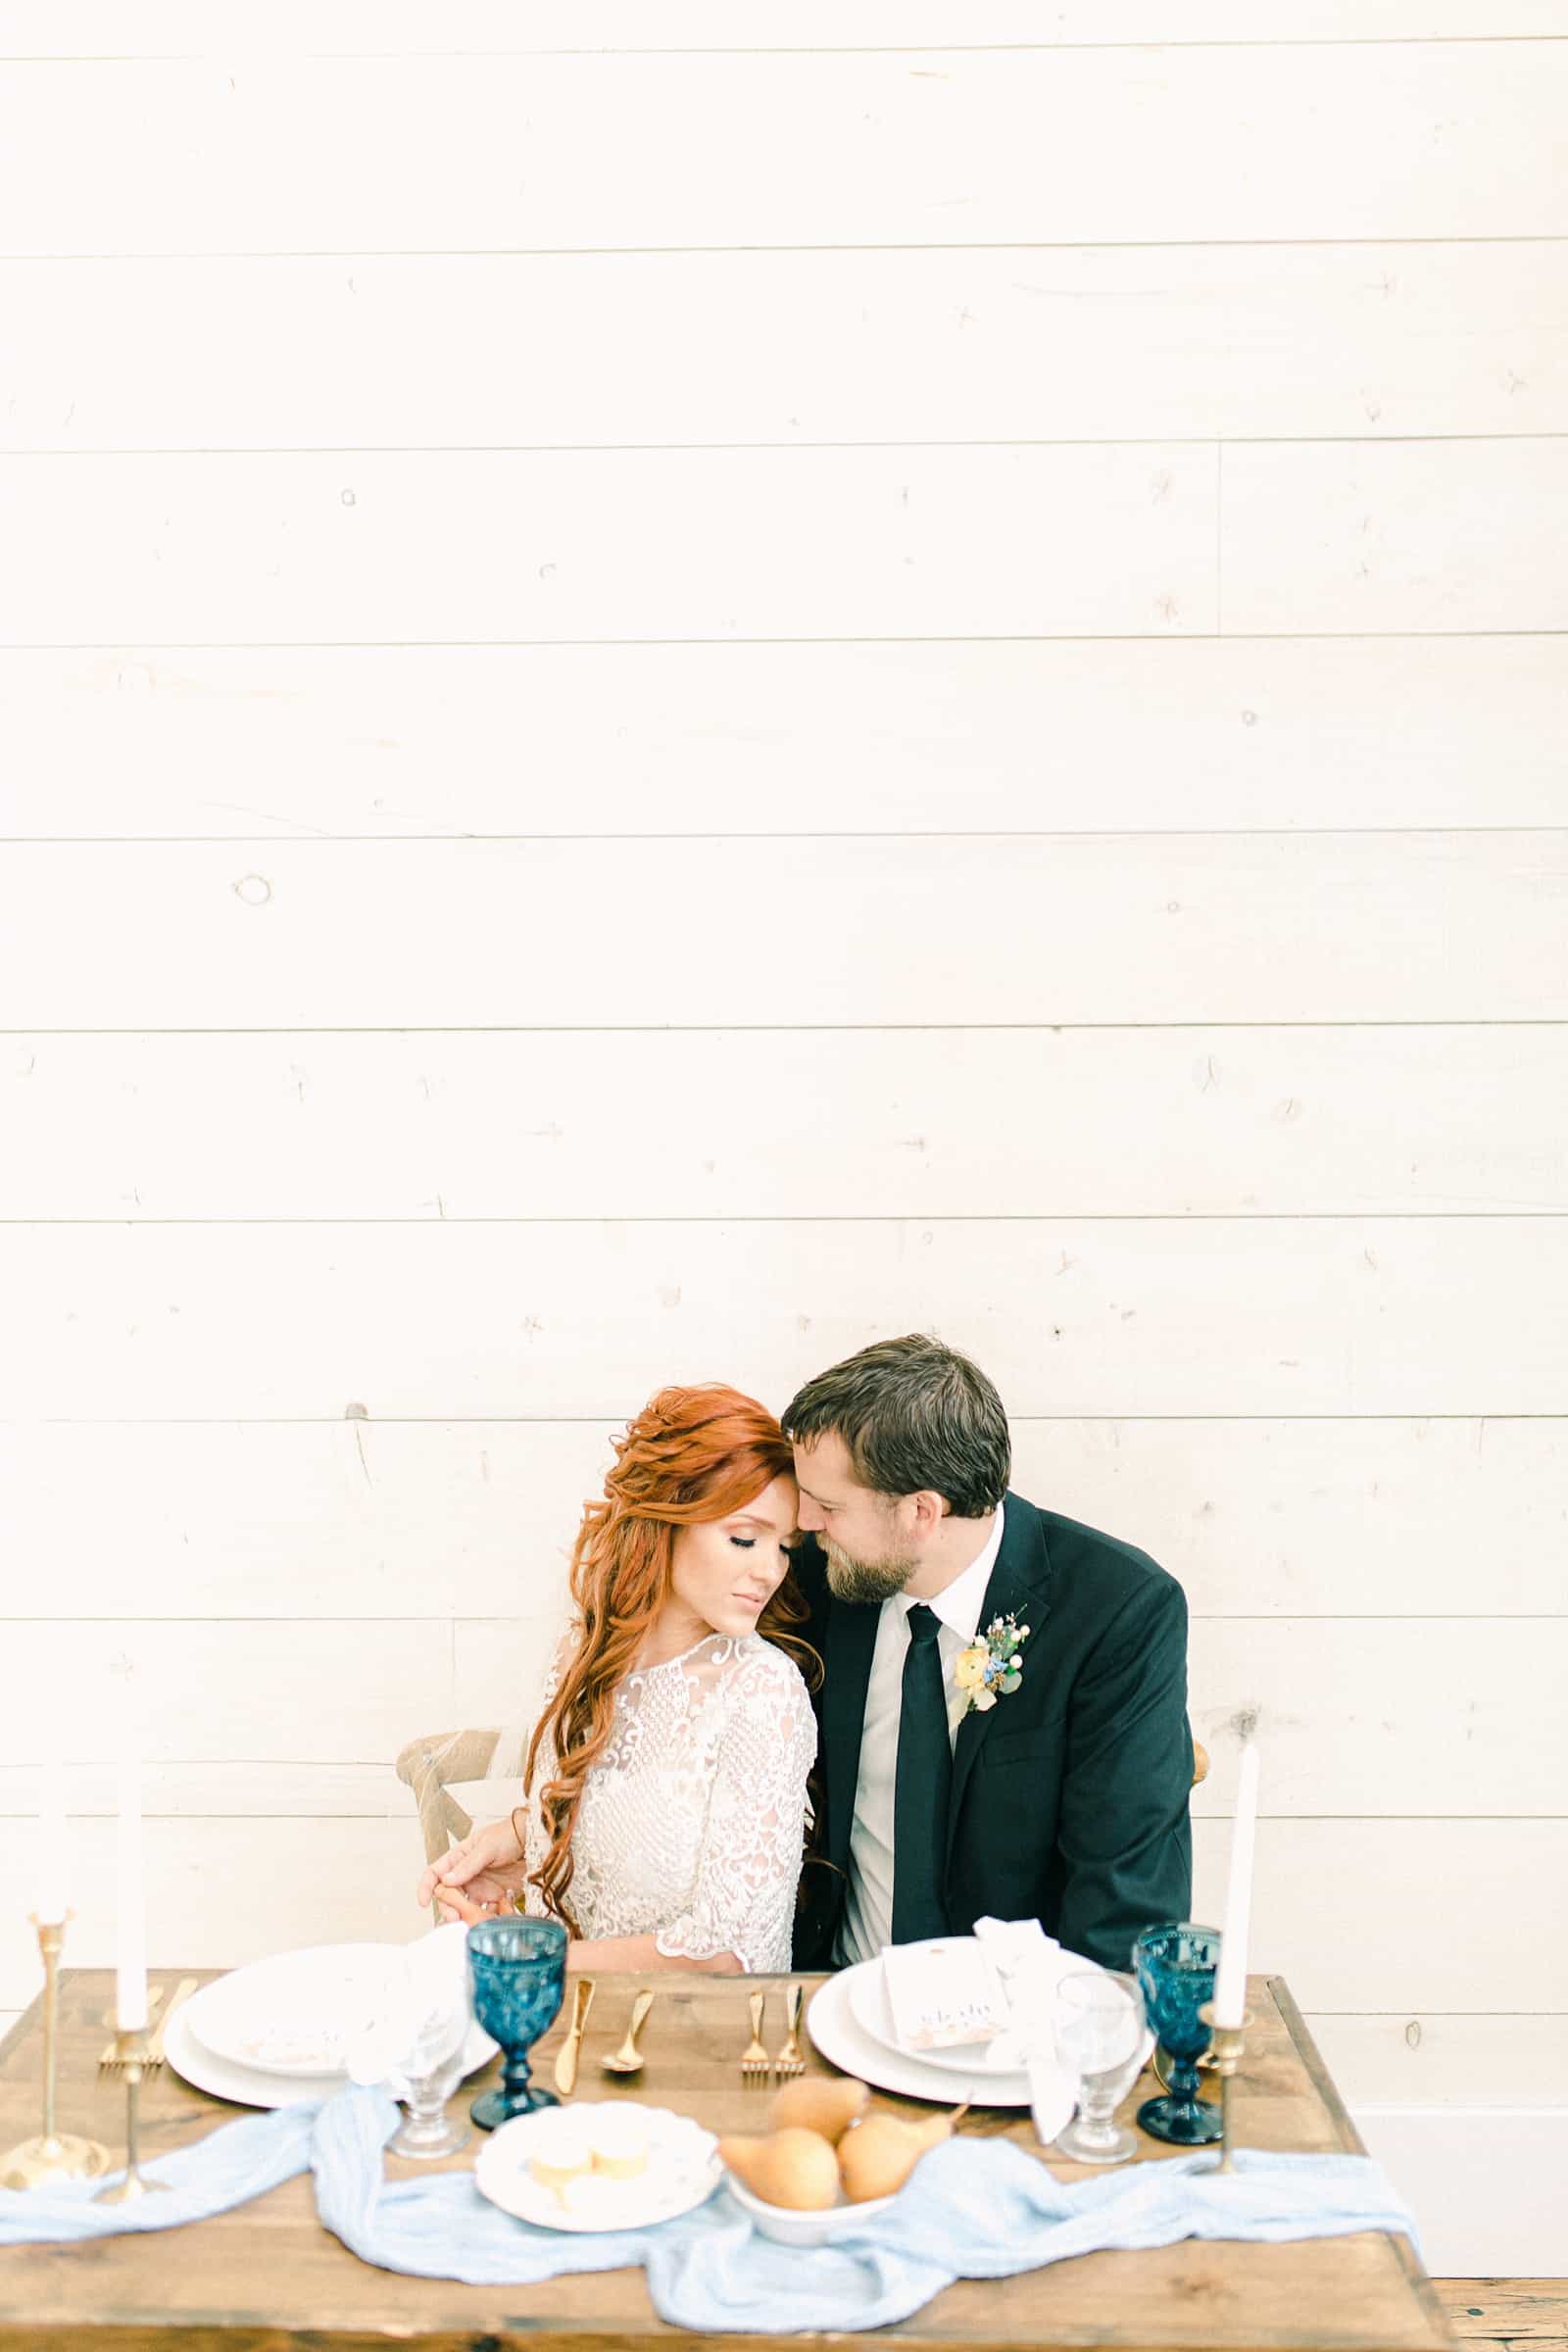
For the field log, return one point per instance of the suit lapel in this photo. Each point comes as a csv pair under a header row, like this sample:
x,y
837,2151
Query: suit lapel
x,y
848,1641
1019,1587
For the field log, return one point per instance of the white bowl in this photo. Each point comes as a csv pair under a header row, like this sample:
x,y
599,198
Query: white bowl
x,y
789,2226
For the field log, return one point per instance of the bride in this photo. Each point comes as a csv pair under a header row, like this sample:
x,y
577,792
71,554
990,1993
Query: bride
x,y
664,1814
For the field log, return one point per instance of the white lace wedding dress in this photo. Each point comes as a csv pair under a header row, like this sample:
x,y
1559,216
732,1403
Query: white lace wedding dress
x,y
691,1824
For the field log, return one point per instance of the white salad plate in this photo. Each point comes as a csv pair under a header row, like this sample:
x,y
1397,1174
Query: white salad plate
x,y
683,2169
838,2035
238,2034
248,2086
294,2013
872,2011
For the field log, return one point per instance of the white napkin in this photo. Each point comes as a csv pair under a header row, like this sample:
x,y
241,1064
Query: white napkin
x,y
432,1975
1029,1965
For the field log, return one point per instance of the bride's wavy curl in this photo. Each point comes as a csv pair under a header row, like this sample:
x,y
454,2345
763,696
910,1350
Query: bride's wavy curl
x,y
691,1455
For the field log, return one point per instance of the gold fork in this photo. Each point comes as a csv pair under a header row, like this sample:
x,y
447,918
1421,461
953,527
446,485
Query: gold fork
x,y
756,2063
789,2060
109,2060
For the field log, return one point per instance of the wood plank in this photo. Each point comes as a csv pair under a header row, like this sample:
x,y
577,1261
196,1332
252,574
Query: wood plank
x,y
1435,536
292,1880
1136,735
1180,2297
1364,1719
1431,141
212,1691
1398,1881
1373,1716
1281,1121
305,547
1141,1317
1098,343
1258,1518
1515,2309
226,1788
223,1890
1314,1684
188,27
1441,2061
1096,930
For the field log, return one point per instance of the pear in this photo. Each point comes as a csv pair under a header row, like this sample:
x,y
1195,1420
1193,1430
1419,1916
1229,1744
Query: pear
x,y
878,2156
793,2168
820,2105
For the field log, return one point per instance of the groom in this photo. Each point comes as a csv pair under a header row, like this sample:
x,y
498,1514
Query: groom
x,y
966,1766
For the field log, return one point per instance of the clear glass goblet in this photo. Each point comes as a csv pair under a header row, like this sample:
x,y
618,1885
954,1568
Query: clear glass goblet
x,y
1175,1965
1100,2031
519,1968
432,2069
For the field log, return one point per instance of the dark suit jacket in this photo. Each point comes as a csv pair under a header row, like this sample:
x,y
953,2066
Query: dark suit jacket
x,y
1069,1796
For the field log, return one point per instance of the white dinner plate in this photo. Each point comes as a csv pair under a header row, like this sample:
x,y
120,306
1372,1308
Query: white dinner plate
x,y
841,2039
683,2169
248,2086
292,2014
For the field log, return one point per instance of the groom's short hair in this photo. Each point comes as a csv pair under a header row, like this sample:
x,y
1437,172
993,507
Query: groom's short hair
x,y
914,1414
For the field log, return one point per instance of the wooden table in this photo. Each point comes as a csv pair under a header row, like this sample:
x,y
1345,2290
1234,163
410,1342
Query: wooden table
x,y
269,2277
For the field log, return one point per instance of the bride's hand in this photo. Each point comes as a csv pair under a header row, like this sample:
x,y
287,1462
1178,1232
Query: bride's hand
x,y
483,1866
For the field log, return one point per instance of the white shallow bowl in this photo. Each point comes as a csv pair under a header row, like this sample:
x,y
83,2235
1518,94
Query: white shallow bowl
x,y
789,2227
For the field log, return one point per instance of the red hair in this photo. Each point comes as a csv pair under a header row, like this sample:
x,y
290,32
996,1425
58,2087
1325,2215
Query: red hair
x,y
690,1456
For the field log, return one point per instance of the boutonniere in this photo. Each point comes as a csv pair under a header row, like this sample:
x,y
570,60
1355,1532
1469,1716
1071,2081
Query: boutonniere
x,y
992,1665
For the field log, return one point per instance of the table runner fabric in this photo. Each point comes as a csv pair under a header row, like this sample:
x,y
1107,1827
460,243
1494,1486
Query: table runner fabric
x,y
230,2166
975,2209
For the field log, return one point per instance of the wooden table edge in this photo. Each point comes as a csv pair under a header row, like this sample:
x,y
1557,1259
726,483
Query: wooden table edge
x,y
1328,2092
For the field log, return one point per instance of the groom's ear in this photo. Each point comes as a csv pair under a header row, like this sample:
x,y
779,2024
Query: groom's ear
x,y
930,1509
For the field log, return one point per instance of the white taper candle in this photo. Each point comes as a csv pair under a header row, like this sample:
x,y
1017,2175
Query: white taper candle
x,y
130,1899
51,1891
1230,1980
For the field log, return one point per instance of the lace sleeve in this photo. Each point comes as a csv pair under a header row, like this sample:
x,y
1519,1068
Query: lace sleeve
x,y
753,1841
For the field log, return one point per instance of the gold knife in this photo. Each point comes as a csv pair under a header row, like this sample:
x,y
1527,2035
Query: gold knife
x,y
567,2054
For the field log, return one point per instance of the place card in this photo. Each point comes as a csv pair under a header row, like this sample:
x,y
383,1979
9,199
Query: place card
x,y
942,1995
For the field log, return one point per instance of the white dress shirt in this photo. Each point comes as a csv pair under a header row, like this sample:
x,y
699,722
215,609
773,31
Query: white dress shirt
x,y
867,1922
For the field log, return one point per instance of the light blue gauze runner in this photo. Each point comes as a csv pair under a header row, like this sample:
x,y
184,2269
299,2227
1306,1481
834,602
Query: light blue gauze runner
x,y
975,2209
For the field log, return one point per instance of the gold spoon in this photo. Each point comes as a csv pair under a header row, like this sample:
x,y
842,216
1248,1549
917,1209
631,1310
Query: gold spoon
x,y
628,2059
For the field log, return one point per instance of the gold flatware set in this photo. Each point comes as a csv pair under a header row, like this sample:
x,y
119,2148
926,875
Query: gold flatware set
x,y
757,2064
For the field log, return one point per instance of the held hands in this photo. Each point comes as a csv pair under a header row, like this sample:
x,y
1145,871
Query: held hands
x,y
479,1877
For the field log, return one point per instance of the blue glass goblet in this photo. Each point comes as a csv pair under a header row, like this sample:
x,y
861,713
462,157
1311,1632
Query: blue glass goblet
x,y
519,1968
1175,1970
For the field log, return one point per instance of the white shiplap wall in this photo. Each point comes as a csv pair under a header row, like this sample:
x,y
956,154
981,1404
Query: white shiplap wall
x,y
668,703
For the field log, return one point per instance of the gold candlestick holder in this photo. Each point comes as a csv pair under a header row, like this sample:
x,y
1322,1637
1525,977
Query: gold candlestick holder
x,y
1224,2054
53,2156
131,2049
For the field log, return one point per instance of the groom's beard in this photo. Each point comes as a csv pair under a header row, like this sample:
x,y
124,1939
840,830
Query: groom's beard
x,y
866,1580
